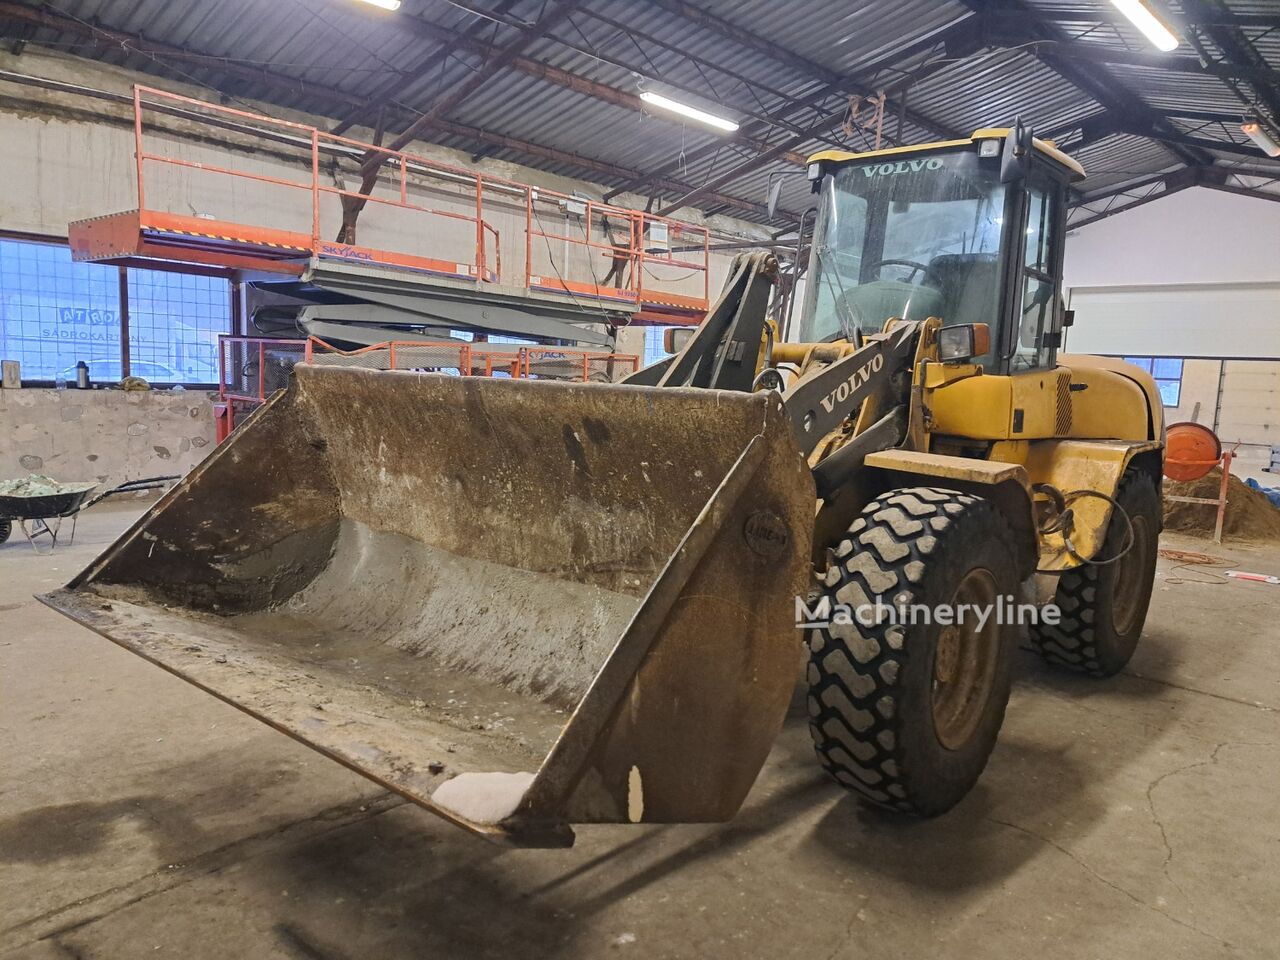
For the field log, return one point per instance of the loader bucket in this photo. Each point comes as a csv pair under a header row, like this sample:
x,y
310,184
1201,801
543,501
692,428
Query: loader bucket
x,y
519,604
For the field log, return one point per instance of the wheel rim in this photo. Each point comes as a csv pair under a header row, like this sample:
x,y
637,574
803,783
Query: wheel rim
x,y
964,663
1126,593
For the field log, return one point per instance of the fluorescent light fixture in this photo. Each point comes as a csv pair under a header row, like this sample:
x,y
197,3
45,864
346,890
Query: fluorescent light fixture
x,y
693,113
1264,140
384,4
1142,17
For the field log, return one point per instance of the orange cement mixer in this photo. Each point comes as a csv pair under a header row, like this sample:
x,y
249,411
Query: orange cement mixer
x,y
1191,451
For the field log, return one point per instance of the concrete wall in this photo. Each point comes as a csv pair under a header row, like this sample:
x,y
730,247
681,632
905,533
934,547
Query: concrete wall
x,y
105,435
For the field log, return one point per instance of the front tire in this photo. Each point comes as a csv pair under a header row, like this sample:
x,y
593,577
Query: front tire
x,y
906,714
6,528
1105,607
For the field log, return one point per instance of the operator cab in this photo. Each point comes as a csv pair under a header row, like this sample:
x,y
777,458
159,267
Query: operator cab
x,y
970,231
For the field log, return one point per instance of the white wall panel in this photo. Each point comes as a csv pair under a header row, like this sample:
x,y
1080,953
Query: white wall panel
x,y
1214,320
1194,236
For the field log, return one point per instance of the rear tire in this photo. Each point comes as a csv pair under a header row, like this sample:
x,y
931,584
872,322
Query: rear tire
x,y
906,714
6,528
1104,607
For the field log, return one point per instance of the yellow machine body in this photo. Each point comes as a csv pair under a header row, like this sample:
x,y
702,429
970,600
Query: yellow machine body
x,y
1077,423
1078,426
526,605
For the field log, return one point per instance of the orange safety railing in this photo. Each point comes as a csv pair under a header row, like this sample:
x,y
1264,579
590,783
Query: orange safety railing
x,y
479,359
646,240
563,363
652,254
321,142
442,356
570,245
251,369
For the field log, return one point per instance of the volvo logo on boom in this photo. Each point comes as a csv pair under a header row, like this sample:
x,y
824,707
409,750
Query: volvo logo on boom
x,y
855,380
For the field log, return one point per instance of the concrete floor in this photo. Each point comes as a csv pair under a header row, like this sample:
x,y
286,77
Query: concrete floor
x,y
1135,817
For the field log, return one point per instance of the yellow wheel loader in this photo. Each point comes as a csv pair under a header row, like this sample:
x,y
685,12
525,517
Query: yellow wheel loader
x,y
526,605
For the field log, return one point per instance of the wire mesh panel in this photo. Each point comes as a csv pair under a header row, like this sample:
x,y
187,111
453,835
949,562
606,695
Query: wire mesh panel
x,y
453,358
424,356
370,358
252,368
610,368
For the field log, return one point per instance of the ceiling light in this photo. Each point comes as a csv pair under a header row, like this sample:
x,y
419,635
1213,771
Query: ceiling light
x,y
384,4
1142,17
1263,139
693,113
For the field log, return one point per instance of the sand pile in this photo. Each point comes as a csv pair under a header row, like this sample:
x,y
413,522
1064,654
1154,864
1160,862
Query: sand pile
x,y
1250,515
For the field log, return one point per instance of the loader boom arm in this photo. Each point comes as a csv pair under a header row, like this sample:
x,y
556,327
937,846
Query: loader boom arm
x,y
733,345
824,399
724,352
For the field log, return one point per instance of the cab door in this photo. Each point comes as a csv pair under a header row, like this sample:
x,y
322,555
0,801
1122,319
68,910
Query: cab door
x,y
1036,314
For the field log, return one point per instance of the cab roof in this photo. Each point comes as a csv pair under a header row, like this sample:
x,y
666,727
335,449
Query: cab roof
x,y
1047,147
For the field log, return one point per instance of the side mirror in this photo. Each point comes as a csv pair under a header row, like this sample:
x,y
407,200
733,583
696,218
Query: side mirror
x,y
675,339
1017,150
775,193
1068,318
963,342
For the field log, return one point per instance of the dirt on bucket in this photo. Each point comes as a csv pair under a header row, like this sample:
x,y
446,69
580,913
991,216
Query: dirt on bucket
x,y
1250,515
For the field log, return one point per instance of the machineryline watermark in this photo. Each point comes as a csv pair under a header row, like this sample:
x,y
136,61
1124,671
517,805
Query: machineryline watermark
x,y
1004,611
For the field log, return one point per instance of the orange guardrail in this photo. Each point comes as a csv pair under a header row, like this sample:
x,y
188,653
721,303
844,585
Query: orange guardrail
x,y
443,356
564,363
250,369
479,359
421,214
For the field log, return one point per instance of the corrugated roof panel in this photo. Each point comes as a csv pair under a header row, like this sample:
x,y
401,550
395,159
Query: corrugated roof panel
x,y
1119,158
1164,89
844,37
993,89
328,53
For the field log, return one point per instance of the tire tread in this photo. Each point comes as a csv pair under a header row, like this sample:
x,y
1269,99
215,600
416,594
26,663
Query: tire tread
x,y
886,555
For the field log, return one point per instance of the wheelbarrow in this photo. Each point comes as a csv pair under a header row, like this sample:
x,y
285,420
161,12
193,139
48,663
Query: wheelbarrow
x,y
40,505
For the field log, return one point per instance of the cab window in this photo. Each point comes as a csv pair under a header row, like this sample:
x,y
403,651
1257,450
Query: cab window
x,y
1036,313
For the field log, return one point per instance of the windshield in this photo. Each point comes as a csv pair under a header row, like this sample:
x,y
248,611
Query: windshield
x,y
911,238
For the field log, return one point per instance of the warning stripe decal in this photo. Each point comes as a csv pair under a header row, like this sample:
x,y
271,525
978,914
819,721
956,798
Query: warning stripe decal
x,y
218,236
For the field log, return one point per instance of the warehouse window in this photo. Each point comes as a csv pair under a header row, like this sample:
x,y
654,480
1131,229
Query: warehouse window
x,y
1167,373
55,312
174,323
653,349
